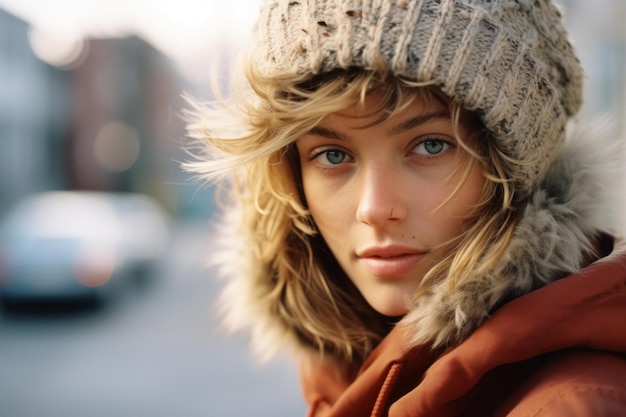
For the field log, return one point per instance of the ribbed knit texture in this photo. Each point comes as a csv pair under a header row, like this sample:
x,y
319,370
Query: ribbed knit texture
x,y
509,61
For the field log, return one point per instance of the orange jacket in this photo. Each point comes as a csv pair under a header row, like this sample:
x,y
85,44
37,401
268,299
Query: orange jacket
x,y
558,351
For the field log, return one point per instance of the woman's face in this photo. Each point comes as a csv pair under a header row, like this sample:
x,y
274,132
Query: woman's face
x,y
377,193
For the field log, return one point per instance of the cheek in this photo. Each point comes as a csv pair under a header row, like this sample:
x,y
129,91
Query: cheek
x,y
465,201
330,205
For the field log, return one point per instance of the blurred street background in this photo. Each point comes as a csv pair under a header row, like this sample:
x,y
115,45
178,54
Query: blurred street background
x,y
90,100
150,352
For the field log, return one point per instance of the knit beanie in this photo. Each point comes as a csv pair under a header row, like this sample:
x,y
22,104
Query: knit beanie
x,y
508,61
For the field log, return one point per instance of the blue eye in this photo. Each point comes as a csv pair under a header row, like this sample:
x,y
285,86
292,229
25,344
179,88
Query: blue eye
x,y
431,147
331,157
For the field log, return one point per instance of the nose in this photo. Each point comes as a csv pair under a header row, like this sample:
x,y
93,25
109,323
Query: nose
x,y
380,200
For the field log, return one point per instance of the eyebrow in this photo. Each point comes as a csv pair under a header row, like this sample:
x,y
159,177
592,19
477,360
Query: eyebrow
x,y
399,128
418,121
327,133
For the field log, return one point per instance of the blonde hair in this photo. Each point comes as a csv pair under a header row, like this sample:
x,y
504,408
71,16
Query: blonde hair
x,y
296,278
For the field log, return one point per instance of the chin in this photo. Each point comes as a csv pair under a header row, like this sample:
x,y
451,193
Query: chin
x,y
390,302
391,310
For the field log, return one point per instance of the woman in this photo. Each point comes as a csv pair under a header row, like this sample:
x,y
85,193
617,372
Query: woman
x,y
406,212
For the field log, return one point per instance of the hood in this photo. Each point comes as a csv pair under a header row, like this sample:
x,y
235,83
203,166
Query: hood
x,y
555,236
572,206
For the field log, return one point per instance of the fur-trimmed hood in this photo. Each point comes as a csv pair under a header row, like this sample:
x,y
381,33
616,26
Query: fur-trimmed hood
x,y
575,202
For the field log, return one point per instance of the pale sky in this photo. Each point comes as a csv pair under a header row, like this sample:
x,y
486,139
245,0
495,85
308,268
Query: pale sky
x,y
186,30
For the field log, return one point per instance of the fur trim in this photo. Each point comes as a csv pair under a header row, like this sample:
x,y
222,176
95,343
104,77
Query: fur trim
x,y
243,303
571,206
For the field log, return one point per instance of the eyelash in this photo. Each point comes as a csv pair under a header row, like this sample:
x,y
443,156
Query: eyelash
x,y
326,151
444,141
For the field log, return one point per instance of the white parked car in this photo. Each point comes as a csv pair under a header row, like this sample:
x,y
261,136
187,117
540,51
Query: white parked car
x,y
79,244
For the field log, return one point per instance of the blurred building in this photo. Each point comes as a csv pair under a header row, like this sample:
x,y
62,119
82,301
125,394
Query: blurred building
x,y
107,120
34,108
125,129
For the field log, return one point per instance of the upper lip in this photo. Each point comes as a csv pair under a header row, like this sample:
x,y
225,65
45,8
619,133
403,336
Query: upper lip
x,y
387,251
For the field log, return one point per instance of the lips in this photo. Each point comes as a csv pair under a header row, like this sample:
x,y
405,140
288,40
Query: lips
x,y
390,261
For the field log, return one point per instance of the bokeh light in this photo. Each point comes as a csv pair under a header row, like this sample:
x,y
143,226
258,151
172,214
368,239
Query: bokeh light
x,y
117,146
61,49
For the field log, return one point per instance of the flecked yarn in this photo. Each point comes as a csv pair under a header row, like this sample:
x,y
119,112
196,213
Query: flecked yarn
x,y
509,61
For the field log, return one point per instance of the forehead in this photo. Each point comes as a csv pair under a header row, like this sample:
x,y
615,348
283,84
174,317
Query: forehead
x,y
379,106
